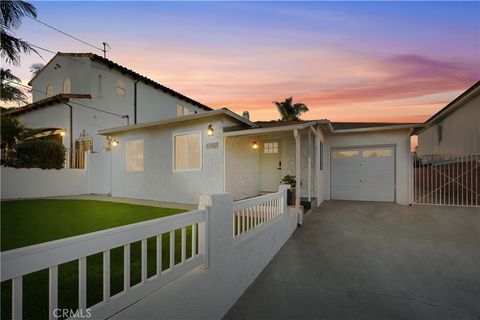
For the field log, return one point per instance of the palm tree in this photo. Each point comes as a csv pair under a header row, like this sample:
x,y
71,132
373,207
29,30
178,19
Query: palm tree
x,y
11,16
290,111
9,93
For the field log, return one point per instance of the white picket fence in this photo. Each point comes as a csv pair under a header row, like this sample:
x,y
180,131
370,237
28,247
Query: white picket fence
x,y
250,214
20,262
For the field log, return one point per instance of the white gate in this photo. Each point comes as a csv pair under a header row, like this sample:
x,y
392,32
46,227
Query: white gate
x,y
99,166
447,180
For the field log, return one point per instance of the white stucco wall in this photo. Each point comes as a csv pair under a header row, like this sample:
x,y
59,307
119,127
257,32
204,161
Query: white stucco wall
x,y
34,182
77,69
100,82
58,116
158,181
398,138
209,293
243,167
461,133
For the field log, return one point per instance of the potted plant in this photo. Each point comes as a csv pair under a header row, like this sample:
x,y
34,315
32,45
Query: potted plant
x,y
288,179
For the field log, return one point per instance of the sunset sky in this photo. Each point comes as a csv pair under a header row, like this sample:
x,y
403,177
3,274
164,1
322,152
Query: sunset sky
x,y
348,61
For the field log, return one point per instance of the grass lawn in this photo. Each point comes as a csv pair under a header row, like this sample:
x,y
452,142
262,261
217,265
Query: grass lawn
x,y
28,222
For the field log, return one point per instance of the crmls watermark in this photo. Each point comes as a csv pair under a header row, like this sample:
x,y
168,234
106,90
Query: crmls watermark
x,y
70,313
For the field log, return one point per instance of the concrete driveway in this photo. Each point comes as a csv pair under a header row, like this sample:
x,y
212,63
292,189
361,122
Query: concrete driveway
x,y
363,260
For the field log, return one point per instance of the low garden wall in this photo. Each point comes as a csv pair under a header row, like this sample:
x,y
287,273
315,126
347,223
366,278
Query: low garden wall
x,y
34,182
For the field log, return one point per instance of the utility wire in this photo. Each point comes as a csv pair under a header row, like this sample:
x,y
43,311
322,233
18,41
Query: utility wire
x,y
77,103
68,35
35,46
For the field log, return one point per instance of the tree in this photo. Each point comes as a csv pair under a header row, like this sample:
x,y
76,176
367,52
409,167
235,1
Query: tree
x,y
11,16
36,67
9,93
289,111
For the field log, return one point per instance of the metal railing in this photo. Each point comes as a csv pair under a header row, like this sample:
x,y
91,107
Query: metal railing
x,y
447,180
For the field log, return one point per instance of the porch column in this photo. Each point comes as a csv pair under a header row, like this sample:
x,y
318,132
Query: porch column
x,y
297,175
309,163
317,164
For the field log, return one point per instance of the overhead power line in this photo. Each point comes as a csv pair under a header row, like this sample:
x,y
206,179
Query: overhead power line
x,y
68,35
38,47
105,45
123,116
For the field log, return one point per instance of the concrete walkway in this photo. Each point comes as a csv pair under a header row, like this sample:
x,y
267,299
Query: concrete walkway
x,y
354,260
100,197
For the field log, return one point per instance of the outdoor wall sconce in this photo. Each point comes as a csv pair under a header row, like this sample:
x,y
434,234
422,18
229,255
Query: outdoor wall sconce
x,y
62,133
255,145
114,143
210,130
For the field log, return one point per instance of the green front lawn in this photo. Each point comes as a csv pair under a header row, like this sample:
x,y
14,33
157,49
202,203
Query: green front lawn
x,y
28,222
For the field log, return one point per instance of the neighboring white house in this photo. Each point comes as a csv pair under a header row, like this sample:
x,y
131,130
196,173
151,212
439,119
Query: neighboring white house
x,y
81,93
179,159
454,130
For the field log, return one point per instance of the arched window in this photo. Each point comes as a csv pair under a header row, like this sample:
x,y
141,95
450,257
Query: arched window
x,y
67,86
49,90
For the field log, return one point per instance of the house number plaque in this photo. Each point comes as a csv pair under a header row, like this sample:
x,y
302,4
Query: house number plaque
x,y
212,145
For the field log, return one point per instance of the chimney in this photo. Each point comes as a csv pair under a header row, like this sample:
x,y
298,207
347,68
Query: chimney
x,y
246,115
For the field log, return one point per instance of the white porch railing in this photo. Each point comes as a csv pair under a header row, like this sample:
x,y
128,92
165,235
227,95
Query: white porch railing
x,y
20,262
251,213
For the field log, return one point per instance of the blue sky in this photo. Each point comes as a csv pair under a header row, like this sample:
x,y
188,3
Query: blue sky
x,y
377,61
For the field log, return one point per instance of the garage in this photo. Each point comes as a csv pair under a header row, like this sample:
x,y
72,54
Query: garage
x,y
363,173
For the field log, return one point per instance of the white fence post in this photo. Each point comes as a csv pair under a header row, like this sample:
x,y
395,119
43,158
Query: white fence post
x,y
218,240
284,188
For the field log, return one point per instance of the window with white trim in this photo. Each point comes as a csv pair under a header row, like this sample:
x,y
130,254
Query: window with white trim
x,y
67,86
183,111
49,90
134,154
121,88
187,151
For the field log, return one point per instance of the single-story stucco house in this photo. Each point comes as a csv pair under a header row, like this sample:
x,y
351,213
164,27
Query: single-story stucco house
x,y
219,151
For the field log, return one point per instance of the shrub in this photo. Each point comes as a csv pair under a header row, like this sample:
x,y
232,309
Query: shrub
x,y
44,154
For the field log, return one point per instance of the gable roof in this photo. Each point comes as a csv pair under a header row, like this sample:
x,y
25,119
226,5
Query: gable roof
x,y
363,125
56,99
456,104
189,117
124,70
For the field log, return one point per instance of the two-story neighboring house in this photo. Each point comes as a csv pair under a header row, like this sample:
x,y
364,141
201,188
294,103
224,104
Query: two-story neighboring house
x,y
77,94
455,129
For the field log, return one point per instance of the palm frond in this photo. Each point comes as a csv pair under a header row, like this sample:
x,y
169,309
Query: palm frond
x,y
12,13
12,47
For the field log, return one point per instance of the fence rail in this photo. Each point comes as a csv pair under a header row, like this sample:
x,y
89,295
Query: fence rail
x,y
446,180
251,213
20,262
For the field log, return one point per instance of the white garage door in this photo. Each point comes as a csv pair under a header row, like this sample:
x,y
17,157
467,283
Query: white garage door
x,y
364,174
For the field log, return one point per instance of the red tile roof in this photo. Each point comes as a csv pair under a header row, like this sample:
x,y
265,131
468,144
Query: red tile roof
x,y
59,98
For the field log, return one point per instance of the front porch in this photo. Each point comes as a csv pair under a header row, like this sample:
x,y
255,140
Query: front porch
x,y
257,160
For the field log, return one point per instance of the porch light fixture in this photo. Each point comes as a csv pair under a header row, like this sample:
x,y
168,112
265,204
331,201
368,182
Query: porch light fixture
x,y
114,143
210,130
255,145
62,133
